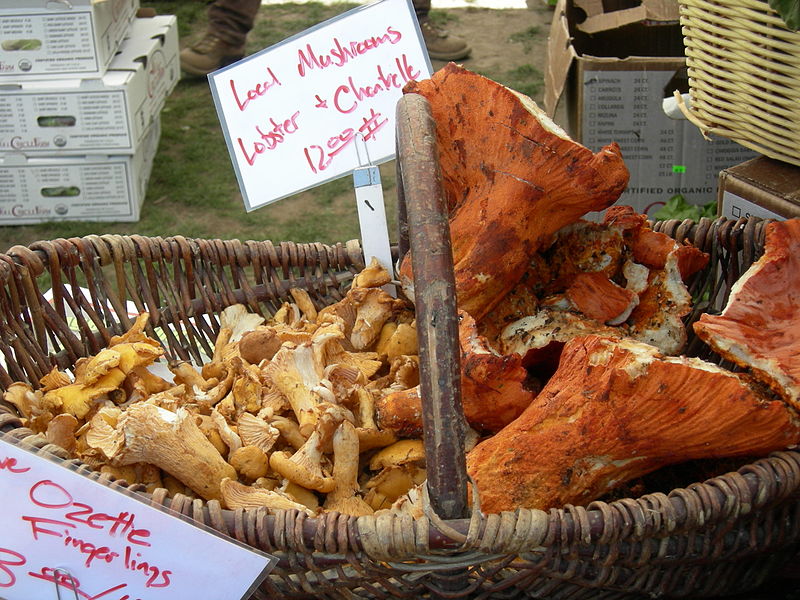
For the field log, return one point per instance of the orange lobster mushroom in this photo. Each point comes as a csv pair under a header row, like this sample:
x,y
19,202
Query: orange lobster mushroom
x,y
617,409
511,178
652,248
760,326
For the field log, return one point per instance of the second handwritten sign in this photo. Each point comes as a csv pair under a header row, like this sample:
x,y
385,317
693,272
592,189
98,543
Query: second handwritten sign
x,y
294,113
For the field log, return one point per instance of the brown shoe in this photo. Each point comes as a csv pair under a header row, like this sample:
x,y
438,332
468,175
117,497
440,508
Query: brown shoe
x,y
441,45
209,54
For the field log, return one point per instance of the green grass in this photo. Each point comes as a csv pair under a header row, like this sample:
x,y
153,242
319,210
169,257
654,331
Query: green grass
x,y
526,37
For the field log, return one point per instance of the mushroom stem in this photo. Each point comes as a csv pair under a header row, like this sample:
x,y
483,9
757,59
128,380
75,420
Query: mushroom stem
x,y
343,498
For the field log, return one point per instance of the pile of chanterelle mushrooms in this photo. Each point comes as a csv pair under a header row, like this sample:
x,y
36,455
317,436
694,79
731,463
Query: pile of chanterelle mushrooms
x,y
281,416
571,336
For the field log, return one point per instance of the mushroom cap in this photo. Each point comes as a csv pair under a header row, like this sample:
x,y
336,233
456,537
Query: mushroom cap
x,y
400,453
61,432
759,327
373,275
239,320
255,431
250,462
237,495
259,344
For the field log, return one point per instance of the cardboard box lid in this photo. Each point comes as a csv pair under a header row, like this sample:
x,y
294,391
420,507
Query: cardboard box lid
x,y
560,54
767,182
142,34
599,19
560,49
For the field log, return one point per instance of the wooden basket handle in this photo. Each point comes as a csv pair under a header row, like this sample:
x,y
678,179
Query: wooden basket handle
x,y
425,231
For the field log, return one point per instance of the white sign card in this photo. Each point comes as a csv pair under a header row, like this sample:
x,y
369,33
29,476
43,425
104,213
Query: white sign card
x,y
68,536
291,113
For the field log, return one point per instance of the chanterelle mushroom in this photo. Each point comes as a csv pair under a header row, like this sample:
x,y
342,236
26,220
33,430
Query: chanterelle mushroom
x,y
237,495
304,467
101,374
344,498
172,441
615,410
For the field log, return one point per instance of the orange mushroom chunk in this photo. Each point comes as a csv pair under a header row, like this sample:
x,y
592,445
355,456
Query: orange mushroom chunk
x,y
615,410
760,325
599,298
511,178
652,248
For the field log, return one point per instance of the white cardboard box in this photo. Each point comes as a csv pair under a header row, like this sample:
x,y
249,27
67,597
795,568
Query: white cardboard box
x,y
61,38
614,70
76,188
109,115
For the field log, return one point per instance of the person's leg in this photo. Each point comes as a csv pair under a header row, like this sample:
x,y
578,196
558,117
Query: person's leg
x,y
232,20
229,22
441,45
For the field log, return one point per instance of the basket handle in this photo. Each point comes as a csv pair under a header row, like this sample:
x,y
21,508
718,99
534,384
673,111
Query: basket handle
x,y
425,230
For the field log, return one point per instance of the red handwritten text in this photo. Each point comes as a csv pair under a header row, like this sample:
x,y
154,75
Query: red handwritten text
x,y
156,577
91,551
339,54
10,464
72,584
252,94
269,138
9,558
386,81
48,494
320,158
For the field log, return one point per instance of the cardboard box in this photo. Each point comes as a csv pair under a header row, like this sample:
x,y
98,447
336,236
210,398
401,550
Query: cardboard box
x,y
60,38
614,69
76,188
761,187
109,115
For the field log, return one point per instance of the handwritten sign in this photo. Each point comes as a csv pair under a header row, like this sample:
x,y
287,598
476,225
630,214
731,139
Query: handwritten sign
x,y
292,113
63,531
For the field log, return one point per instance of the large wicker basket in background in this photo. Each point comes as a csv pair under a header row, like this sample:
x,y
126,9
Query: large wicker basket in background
x,y
744,74
707,539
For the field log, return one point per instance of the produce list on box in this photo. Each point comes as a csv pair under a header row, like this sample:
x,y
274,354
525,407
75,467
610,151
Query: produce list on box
x,y
61,39
666,156
66,190
111,188
320,104
70,39
102,116
68,536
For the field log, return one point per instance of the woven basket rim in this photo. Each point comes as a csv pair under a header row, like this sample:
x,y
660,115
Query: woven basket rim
x,y
744,74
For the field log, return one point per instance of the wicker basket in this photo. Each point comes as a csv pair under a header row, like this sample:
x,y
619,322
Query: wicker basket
x,y
703,540
744,74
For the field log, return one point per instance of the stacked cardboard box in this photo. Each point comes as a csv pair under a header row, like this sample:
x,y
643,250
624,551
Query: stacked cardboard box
x,y
760,187
613,63
82,85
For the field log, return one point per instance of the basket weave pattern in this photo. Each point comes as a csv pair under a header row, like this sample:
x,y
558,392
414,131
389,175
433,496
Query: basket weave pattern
x,y
705,539
744,74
